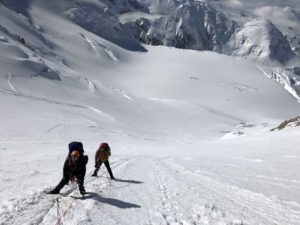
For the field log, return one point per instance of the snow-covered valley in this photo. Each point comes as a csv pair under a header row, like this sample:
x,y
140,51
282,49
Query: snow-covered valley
x,y
189,130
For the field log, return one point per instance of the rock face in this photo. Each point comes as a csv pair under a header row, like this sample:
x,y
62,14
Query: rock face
x,y
186,24
191,26
197,25
102,19
260,39
294,122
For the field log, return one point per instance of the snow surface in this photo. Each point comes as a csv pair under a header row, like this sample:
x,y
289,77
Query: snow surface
x,y
189,131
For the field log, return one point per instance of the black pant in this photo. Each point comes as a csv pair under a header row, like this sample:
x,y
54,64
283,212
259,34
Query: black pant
x,y
106,163
65,180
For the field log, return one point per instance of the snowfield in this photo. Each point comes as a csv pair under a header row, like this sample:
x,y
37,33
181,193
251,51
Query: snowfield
x,y
189,130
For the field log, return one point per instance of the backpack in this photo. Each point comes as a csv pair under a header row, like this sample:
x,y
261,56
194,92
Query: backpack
x,y
76,146
105,146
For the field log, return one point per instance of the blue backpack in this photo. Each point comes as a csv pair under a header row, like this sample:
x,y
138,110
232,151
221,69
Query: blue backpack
x,y
76,146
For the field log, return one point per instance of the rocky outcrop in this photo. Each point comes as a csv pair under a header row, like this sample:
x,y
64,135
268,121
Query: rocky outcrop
x,y
196,25
260,39
102,19
193,25
294,122
186,24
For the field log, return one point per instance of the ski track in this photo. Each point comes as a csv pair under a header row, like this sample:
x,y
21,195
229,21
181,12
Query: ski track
x,y
167,194
175,209
248,204
164,199
49,101
36,207
159,199
54,127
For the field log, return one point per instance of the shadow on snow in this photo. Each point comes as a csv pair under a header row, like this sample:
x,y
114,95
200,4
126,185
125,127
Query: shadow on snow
x,y
128,181
111,201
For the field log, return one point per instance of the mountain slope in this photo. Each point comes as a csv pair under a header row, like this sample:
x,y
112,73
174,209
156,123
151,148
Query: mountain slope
x,y
189,130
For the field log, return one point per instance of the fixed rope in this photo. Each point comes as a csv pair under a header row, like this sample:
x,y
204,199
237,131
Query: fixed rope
x,y
60,215
57,200
57,212
58,209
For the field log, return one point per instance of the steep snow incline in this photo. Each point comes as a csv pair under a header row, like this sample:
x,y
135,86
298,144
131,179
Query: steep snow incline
x,y
189,130
188,189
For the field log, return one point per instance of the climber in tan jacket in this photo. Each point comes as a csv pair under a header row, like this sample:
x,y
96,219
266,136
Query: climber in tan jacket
x,y
102,155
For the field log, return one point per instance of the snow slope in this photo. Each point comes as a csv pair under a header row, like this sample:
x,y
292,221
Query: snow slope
x,y
189,130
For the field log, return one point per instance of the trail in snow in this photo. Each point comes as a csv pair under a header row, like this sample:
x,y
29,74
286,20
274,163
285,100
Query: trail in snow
x,y
249,205
38,207
50,101
165,193
163,199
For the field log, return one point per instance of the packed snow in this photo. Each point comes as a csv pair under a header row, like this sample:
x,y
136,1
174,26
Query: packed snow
x,y
189,130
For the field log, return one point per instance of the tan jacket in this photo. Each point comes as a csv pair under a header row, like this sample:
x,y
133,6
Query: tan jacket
x,y
102,155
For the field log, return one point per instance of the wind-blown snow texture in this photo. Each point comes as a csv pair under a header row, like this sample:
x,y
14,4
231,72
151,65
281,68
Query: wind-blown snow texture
x,y
189,130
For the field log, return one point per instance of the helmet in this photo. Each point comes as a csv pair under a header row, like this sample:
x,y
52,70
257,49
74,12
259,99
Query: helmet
x,y
75,153
103,145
